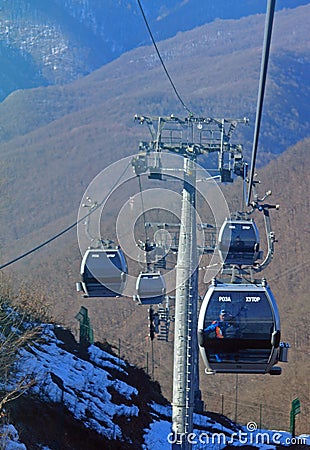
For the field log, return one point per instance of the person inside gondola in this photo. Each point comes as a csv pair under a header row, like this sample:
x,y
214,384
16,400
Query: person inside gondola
x,y
220,325
223,327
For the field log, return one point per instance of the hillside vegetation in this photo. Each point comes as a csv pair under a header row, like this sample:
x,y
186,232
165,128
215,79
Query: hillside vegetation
x,y
55,140
56,42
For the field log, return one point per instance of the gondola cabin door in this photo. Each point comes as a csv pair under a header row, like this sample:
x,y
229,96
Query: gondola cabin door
x,y
239,329
151,288
103,273
238,242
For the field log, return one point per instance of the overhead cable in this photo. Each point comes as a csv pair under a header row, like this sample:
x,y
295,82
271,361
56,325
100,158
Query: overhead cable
x,y
162,62
261,90
65,230
45,242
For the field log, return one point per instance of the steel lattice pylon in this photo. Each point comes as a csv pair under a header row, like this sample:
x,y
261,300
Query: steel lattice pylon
x,y
188,138
185,376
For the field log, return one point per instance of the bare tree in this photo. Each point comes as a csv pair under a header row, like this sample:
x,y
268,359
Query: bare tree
x,y
16,332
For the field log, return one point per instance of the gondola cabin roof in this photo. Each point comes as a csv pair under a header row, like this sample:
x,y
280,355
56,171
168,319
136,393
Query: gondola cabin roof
x,y
238,242
150,288
239,329
103,272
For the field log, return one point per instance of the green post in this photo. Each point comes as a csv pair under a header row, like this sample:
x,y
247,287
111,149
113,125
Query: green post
x,y
295,409
86,331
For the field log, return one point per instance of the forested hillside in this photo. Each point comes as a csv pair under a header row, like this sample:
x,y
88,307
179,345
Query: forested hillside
x,y
54,140
56,42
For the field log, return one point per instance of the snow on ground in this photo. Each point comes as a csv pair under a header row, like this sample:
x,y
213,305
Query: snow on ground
x,y
160,436
9,439
86,388
209,434
83,387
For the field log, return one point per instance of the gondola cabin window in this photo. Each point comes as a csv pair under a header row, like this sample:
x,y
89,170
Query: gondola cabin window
x,y
239,329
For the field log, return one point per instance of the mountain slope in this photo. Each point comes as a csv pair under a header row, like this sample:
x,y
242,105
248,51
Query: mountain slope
x,y
215,66
54,271
125,324
83,398
45,172
56,42
51,136
89,398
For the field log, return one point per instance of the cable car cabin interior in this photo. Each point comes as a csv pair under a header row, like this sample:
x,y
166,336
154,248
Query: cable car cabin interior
x,y
103,272
239,329
151,288
239,242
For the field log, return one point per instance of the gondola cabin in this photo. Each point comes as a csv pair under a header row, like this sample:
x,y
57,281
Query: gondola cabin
x,y
103,273
239,329
150,288
238,242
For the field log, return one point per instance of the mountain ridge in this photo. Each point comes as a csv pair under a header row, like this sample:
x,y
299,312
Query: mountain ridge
x,y
54,134
57,42
83,92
